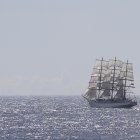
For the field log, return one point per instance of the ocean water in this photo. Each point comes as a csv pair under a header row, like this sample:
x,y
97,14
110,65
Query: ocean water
x,y
65,118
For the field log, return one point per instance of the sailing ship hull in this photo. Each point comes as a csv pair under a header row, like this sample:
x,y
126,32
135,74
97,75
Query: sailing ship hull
x,y
112,104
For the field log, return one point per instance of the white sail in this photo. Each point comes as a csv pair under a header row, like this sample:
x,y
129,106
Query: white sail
x,y
98,72
101,63
90,93
94,79
106,93
92,85
128,66
128,75
119,94
116,63
119,88
112,75
106,85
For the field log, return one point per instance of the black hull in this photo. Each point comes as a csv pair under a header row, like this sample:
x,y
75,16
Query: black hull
x,y
112,104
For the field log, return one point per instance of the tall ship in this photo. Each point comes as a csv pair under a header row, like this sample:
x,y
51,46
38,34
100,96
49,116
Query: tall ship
x,y
111,85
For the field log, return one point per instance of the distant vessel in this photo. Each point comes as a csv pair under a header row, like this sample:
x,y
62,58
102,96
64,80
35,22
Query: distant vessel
x,y
111,85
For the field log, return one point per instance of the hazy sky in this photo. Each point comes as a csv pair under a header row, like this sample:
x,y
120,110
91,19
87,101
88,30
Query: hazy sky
x,y
48,47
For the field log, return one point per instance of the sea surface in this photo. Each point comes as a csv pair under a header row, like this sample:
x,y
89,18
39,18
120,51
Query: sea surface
x,y
65,118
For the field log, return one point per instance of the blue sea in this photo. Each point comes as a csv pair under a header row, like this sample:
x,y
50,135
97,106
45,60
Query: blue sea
x,y
65,118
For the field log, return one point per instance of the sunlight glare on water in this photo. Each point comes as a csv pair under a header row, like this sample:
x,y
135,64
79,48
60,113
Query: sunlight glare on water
x,y
65,118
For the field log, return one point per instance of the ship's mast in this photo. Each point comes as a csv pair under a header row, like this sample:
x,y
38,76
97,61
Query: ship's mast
x,y
100,78
113,79
124,96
